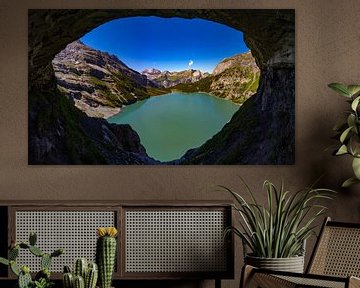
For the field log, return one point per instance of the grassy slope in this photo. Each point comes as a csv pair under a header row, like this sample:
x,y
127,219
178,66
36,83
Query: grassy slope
x,y
129,90
204,85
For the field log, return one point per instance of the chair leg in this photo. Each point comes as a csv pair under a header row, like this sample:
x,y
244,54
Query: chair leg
x,y
354,282
217,282
251,279
246,274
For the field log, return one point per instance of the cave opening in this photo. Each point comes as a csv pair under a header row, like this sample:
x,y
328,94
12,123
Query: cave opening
x,y
111,68
262,135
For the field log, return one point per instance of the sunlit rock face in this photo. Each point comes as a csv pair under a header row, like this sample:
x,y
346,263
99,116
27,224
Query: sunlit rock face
x,y
270,34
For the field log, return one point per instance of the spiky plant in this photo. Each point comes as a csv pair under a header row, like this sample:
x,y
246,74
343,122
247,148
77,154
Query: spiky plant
x,y
279,229
42,278
349,132
106,254
85,274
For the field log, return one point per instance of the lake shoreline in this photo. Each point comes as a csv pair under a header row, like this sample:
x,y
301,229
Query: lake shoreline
x,y
109,115
170,126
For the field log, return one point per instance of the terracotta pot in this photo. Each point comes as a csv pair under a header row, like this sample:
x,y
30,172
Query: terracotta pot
x,y
291,264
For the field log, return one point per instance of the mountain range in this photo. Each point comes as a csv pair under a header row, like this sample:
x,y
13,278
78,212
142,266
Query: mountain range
x,y
99,83
235,78
169,79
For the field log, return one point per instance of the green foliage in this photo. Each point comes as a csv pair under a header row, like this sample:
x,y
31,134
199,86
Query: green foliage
x,y
203,85
13,253
42,278
4,261
36,251
349,131
14,268
45,261
279,229
24,280
151,91
43,283
128,86
99,84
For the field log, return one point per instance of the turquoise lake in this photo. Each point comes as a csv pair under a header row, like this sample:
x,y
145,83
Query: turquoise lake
x,y
171,124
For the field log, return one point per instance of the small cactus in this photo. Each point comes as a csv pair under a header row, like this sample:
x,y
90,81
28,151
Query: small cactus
x,y
36,251
80,268
13,253
57,252
68,280
67,269
44,273
45,261
24,245
91,276
24,278
14,268
106,254
32,238
79,282
89,272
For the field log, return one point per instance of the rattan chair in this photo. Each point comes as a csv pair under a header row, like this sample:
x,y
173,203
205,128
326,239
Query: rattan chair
x,y
334,263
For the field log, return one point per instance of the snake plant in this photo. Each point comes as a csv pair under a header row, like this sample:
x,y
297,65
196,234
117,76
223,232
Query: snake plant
x,y
279,228
349,132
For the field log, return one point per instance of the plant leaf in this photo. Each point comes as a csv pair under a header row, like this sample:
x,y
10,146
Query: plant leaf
x,y
351,120
355,103
345,134
354,145
279,228
356,167
349,182
353,89
340,88
4,261
342,150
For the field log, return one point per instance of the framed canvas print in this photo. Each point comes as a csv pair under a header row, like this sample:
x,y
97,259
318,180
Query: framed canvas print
x,y
162,87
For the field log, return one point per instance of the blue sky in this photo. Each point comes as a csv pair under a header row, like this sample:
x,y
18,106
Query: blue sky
x,y
167,43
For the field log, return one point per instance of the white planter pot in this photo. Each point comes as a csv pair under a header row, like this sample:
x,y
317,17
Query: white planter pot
x,y
291,264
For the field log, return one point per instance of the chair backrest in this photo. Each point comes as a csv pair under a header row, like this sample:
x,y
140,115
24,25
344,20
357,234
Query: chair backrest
x,y
337,251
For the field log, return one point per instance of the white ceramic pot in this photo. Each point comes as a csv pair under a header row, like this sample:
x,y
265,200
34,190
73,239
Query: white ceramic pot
x,y
291,264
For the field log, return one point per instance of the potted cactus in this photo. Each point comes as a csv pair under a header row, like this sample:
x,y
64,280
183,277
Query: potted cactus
x,y
84,275
42,278
106,254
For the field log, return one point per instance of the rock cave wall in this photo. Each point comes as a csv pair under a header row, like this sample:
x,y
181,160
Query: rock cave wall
x,y
59,134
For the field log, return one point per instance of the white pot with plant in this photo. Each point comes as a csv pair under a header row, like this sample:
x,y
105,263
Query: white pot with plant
x,y
276,233
349,131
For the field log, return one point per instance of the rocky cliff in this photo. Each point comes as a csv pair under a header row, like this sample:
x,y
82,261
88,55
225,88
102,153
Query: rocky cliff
x,y
243,60
235,78
99,83
169,79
